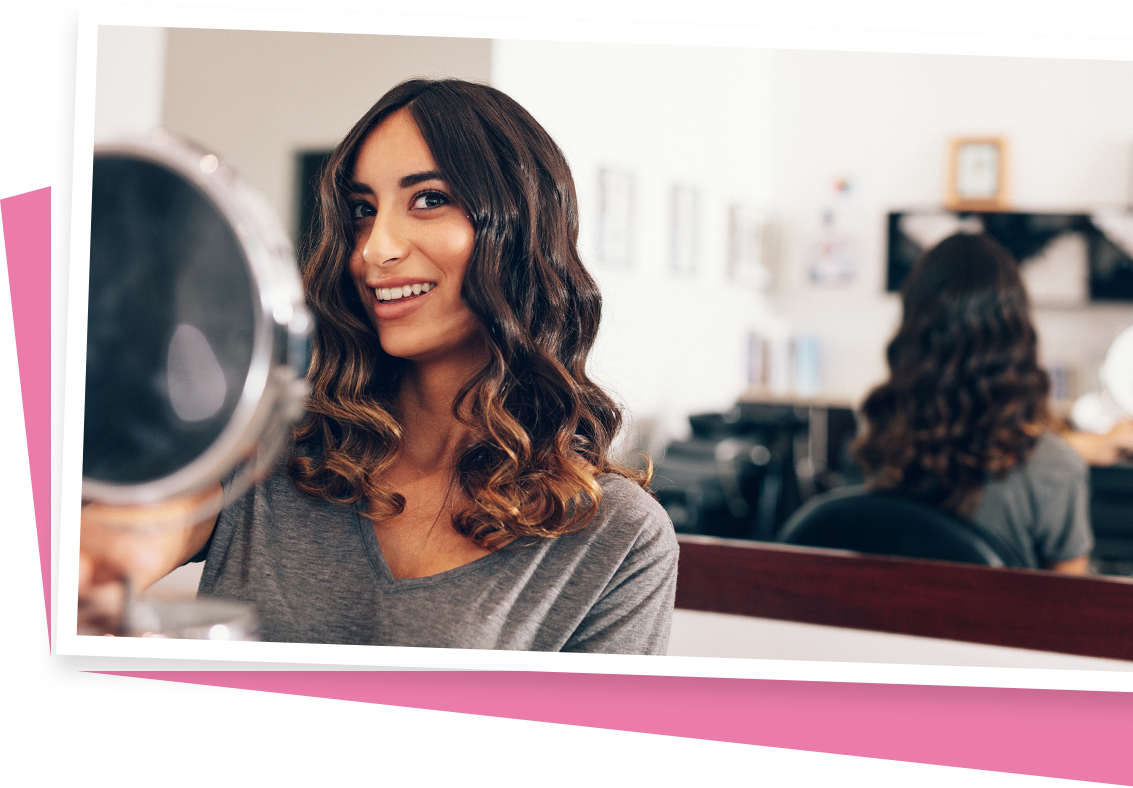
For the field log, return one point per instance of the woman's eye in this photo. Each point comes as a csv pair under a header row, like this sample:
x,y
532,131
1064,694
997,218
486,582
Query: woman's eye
x,y
427,200
360,210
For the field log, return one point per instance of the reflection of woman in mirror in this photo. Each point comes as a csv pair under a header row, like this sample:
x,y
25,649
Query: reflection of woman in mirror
x,y
962,422
451,484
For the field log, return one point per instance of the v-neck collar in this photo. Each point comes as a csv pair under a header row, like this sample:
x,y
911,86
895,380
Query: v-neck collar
x,y
384,574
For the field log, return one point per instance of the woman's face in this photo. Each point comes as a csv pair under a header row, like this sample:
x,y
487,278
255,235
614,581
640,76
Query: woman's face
x,y
412,242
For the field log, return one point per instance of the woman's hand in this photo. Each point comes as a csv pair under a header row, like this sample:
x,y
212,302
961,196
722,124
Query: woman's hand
x,y
1120,439
102,592
1074,566
1102,450
138,545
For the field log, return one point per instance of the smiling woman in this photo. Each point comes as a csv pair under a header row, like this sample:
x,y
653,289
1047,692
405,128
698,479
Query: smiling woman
x,y
451,484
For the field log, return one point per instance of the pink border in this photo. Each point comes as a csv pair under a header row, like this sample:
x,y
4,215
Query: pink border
x,y
25,322
716,731
1050,733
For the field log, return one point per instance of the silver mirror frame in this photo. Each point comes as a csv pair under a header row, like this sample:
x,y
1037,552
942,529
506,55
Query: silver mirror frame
x,y
274,389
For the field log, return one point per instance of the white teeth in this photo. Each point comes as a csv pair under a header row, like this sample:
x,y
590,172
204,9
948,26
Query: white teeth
x,y
394,293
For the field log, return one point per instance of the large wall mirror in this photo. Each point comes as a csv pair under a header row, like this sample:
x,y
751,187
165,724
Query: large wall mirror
x,y
737,207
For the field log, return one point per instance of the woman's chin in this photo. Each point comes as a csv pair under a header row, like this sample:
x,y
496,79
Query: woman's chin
x,y
467,350
417,353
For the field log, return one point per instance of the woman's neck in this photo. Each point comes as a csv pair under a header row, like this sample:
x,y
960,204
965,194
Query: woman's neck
x,y
433,437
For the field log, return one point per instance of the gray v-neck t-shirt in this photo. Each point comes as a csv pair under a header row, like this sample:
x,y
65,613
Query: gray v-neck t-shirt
x,y
315,572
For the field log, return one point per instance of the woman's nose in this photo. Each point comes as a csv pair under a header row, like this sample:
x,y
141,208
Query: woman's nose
x,y
386,242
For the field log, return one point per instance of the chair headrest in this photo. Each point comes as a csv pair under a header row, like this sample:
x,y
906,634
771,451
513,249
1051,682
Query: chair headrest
x,y
853,518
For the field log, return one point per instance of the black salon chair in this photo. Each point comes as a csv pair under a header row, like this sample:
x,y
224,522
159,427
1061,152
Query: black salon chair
x,y
851,518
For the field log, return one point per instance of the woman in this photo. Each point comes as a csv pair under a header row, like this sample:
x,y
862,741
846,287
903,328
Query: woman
x,y
451,484
962,423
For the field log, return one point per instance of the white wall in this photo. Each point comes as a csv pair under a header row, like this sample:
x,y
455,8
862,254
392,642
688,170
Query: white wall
x,y
130,72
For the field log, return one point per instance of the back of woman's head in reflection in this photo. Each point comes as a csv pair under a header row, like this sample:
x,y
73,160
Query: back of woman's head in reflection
x,y
966,398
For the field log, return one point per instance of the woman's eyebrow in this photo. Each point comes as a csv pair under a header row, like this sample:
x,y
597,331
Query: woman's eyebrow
x,y
419,177
358,188
409,180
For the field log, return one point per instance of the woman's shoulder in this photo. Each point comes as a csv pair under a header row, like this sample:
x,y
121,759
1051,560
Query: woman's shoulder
x,y
627,513
1054,456
627,496
274,490
1051,466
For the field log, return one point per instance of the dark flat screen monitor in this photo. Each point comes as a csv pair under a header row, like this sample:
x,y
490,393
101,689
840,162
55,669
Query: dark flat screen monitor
x,y
1092,251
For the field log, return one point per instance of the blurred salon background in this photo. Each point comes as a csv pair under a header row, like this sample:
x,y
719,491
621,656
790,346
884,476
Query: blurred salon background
x,y
749,215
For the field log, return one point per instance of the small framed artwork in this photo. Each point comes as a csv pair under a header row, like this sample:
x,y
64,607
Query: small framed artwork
x,y
684,229
746,227
615,218
977,174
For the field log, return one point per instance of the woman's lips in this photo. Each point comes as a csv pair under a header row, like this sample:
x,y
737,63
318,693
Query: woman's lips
x,y
392,310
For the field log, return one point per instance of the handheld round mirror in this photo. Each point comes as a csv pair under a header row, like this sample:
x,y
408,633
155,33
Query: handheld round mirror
x,y
196,329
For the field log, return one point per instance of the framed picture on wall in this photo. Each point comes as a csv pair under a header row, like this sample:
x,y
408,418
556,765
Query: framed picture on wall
x,y
977,174
746,237
684,229
615,217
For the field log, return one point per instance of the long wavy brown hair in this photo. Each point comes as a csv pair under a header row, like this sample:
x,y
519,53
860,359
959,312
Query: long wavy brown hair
x,y
541,429
966,399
